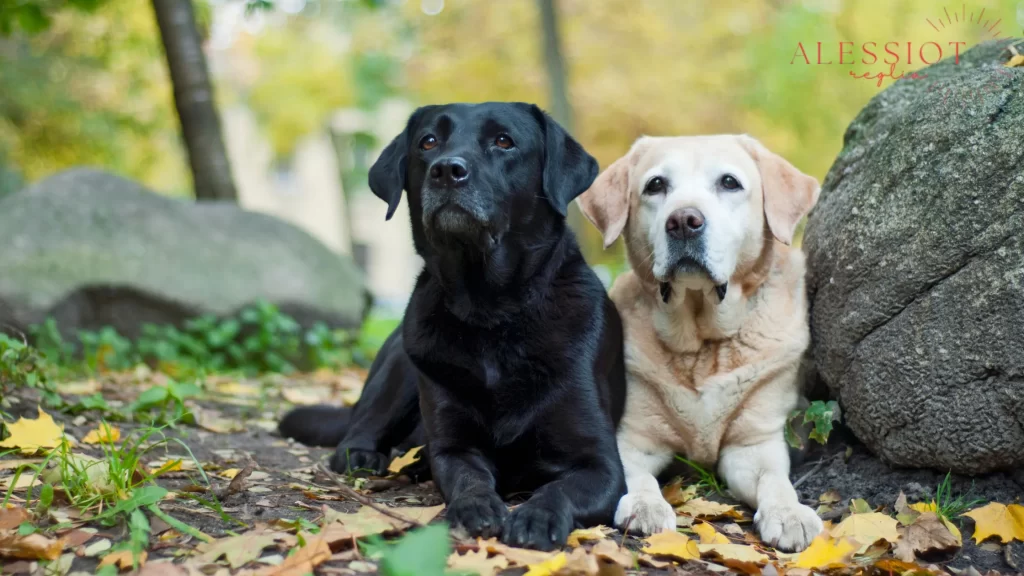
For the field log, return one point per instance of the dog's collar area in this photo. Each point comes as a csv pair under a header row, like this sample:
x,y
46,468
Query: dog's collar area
x,y
666,291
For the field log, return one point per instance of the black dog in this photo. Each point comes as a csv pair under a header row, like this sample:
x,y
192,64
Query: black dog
x,y
509,345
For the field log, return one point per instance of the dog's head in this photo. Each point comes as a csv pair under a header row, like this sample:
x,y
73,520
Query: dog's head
x,y
475,173
698,209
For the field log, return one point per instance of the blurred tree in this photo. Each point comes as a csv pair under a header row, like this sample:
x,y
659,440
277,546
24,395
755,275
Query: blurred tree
x,y
554,63
193,98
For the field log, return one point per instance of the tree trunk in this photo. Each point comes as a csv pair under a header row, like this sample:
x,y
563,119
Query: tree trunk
x,y
554,63
193,97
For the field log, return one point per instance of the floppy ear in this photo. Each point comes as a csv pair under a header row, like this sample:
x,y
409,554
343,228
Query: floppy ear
x,y
789,194
568,168
606,202
387,175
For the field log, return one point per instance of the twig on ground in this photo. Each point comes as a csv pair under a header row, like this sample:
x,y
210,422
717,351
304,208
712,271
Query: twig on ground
x,y
810,472
381,484
625,530
348,491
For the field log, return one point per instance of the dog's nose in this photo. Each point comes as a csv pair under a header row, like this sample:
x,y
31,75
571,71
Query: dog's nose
x,y
685,223
449,171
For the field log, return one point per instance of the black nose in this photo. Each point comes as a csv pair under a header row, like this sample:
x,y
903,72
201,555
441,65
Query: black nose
x,y
685,223
449,171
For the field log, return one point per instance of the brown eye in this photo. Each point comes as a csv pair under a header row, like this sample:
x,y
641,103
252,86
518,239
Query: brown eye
x,y
655,185
428,142
729,182
504,141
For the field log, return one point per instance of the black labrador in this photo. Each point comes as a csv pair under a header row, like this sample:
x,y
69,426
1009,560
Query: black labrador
x,y
509,348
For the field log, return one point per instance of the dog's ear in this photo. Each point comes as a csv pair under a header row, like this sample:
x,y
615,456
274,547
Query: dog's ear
x,y
387,175
789,194
606,202
568,168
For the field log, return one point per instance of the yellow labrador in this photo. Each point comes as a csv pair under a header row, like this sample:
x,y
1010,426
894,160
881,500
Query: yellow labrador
x,y
715,320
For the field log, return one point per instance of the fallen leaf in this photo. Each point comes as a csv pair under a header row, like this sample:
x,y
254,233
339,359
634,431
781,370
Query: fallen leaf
x,y
672,544
577,537
608,550
860,506
411,456
995,519
708,535
306,396
79,388
548,567
738,557
867,528
890,566
103,435
32,435
701,508
11,518
925,506
124,559
32,547
1017,60
242,549
830,497
928,534
96,548
478,562
517,556
303,561
825,552
905,515
676,495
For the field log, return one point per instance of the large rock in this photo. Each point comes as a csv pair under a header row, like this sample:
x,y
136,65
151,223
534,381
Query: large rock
x,y
916,255
93,249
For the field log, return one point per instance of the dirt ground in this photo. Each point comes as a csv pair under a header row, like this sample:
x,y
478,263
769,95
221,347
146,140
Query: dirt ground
x,y
283,471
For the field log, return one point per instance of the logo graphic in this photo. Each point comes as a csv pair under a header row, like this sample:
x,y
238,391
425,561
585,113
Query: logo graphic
x,y
963,17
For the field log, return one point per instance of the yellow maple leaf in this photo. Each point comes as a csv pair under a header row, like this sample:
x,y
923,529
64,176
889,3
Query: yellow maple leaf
x,y
477,563
736,552
867,528
404,460
1017,60
701,508
995,519
708,535
581,535
105,434
925,506
31,436
825,552
548,567
672,544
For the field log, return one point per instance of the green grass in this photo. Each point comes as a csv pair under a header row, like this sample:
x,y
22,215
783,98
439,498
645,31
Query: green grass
x,y
707,480
949,506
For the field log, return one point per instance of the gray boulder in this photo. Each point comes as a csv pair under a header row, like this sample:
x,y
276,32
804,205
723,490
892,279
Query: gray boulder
x,y
916,258
93,249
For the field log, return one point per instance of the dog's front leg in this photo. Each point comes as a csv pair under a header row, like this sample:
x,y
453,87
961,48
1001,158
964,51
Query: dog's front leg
x,y
466,478
643,509
758,474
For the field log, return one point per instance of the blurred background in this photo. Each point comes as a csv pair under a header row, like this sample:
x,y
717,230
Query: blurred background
x,y
308,91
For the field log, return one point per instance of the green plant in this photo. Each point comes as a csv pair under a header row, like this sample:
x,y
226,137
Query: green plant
x,y
706,478
949,506
105,349
21,365
420,552
48,340
817,418
169,401
328,348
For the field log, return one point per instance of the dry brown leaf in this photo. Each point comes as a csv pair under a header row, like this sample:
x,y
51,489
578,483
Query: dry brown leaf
x,y
478,562
608,550
124,559
676,495
926,535
707,534
825,552
410,457
672,544
31,547
303,561
867,528
1000,520
242,549
13,516
31,436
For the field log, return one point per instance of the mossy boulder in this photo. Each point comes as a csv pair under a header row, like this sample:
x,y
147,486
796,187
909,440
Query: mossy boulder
x,y
93,249
916,268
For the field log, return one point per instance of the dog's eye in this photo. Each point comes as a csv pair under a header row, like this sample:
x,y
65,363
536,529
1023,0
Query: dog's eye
x,y
729,182
655,185
428,142
504,141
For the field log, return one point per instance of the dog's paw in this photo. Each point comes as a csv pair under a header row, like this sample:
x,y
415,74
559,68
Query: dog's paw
x,y
645,512
479,513
359,462
789,528
538,524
